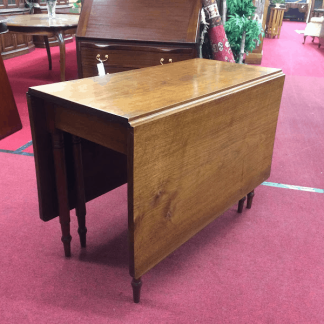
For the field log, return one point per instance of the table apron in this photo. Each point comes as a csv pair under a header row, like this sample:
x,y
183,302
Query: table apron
x,y
95,129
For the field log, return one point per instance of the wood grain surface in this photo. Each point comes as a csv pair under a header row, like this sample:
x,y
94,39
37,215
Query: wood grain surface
x,y
141,20
133,95
191,166
129,57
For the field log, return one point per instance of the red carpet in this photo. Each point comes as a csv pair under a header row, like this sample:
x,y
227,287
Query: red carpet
x,y
263,266
31,70
299,146
289,54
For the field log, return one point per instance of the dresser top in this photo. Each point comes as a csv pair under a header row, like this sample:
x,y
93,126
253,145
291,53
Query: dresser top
x,y
171,21
137,95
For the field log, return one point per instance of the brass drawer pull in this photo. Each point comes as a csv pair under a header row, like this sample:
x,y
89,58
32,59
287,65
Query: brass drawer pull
x,y
100,60
162,60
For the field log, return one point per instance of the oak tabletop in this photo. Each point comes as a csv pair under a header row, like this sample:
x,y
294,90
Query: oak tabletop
x,y
42,21
135,94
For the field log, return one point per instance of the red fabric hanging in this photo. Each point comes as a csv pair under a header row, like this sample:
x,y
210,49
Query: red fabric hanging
x,y
220,46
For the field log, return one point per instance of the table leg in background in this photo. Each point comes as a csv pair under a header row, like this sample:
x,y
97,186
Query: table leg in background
x,y
48,52
61,41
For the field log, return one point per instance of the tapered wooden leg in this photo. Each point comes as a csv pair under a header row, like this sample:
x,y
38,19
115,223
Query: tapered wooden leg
x,y
313,39
241,204
80,201
48,52
61,42
250,199
136,284
62,189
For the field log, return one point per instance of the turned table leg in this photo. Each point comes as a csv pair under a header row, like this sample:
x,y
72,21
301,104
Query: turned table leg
x,y
136,285
62,189
48,52
250,196
61,42
241,204
80,201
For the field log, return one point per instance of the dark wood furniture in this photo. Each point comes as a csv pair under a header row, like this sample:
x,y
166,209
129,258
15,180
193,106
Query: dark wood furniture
x,y
12,44
136,34
318,12
190,139
296,11
41,25
316,9
9,117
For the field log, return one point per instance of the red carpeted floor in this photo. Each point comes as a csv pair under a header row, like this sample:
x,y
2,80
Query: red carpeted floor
x,y
263,266
299,146
32,70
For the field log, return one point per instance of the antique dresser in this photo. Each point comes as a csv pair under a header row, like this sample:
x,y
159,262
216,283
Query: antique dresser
x,y
136,34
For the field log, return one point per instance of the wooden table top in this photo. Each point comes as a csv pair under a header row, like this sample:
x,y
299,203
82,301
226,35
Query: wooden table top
x,y
42,21
132,95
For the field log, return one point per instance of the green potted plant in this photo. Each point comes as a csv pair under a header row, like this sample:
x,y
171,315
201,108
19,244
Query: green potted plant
x,y
242,30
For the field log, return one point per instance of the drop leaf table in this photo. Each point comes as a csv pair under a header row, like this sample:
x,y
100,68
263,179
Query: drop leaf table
x,y
190,139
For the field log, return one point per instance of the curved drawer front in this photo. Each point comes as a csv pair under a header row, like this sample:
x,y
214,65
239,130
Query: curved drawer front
x,y
127,57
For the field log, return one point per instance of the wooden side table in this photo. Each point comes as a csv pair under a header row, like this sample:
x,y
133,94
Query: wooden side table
x,y
59,9
275,22
43,26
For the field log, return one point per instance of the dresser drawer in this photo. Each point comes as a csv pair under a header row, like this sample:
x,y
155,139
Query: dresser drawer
x,y
128,57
